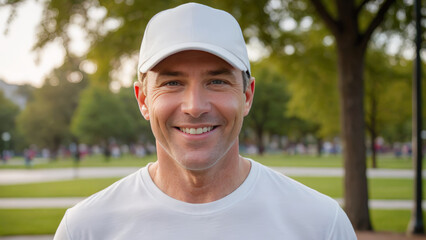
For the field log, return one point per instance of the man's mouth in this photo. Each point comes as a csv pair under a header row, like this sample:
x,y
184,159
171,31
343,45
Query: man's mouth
x,y
196,131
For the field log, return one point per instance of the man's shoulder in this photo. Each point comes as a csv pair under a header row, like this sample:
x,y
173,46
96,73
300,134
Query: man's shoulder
x,y
289,200
291,191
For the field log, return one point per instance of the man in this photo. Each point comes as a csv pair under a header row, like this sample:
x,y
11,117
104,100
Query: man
x,y
195,89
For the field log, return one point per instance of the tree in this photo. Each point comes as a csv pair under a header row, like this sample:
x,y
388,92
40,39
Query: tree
x,y
8,113
311,82
387,91
101,117
267,114
351,45
142,130
397,117
46,120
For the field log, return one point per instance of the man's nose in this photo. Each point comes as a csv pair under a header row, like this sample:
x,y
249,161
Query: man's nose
x,y
196,101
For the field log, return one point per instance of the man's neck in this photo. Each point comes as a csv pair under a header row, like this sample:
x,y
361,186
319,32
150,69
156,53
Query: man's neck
x,y
200,186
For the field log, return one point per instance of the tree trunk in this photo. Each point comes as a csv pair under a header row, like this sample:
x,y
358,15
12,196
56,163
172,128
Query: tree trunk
x,y
351,88
55,148
373,149
106,150
259,137
319,147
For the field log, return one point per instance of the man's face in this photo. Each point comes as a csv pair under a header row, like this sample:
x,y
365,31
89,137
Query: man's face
x,y
196,105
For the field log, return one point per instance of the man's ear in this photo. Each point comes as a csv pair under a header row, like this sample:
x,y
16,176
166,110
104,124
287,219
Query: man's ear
x,y
140,97
249,96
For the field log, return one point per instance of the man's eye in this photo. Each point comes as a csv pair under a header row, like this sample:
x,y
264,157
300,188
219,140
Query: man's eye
x,y
172,83
218,82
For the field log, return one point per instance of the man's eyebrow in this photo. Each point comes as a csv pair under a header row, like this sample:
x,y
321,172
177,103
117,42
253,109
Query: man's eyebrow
x,y
222,71
168,73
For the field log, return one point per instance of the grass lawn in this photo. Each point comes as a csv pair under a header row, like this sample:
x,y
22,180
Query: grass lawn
x,y
67,188
391,220
379,188
279,160
45,221
29,221
331,186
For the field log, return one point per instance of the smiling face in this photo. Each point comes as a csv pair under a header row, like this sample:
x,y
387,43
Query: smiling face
x,y
195,104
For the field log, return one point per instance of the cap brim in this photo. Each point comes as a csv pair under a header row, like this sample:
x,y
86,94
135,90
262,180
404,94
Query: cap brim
x,y
215,50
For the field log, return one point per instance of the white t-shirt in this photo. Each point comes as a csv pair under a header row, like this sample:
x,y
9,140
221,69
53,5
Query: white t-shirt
x,y
267,205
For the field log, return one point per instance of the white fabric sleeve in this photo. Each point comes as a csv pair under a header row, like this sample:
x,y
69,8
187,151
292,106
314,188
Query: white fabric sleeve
x,y
62,231
342,227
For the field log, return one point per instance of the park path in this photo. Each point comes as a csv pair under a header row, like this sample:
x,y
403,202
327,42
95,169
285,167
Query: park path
x,y
21,176
67,202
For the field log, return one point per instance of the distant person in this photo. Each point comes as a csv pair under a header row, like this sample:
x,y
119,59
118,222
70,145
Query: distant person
x,y
75,152
195,90
27,157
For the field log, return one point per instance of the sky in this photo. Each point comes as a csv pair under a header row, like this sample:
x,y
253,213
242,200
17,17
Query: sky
x,y
17,61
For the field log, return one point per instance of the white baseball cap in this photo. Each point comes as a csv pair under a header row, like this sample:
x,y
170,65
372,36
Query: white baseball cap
x,y
193,26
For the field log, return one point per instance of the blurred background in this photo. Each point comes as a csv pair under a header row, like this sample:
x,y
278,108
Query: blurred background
x,y
67,69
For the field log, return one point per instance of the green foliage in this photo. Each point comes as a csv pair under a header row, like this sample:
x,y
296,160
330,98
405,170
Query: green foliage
x,y
101,117
310,71
261,19
312,83
271,96
46,120
26,91
117,32
142,131
388,96
115,29
8,113
267,115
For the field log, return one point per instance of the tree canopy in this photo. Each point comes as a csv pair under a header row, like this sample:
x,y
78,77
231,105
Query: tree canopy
x,y
101,117
8,113
268,112
46,120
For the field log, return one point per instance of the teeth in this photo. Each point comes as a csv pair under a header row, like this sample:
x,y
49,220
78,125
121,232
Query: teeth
x,y
196,130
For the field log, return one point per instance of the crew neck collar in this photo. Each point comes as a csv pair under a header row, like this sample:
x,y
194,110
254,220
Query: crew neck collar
x,y
201,208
